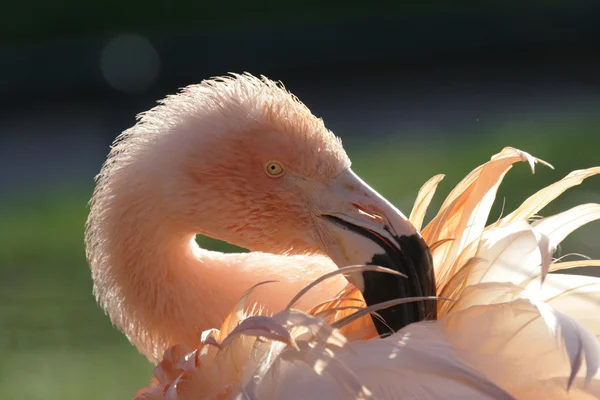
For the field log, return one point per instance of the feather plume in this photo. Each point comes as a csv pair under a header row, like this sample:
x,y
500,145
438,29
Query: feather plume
x,y
464,213
422,201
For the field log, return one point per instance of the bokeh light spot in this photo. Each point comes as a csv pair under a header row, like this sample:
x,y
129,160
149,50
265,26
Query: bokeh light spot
x,y
130,63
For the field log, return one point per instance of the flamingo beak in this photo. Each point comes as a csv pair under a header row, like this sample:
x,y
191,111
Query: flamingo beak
x,y
363,228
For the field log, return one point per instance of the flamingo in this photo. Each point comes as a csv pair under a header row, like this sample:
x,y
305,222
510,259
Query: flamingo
x,y
240,159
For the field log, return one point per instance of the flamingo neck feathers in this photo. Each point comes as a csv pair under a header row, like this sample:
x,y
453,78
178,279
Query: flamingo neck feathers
x,y
150,277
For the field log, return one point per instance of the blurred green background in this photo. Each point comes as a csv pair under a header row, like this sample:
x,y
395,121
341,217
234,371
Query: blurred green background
x,y
414,90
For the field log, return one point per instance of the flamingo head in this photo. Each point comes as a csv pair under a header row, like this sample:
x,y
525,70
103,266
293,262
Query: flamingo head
x,y
242,160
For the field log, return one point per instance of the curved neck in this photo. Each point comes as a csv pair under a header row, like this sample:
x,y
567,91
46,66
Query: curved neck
x,y
153,282
151,278
161,289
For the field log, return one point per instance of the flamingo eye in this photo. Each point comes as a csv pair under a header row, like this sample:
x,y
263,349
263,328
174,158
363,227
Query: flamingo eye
x,y
274,169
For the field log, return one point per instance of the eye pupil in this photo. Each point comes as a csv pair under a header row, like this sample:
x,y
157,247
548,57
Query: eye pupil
x,y
274,169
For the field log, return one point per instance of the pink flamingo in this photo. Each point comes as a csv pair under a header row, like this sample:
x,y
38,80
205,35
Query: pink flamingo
x,y
241,160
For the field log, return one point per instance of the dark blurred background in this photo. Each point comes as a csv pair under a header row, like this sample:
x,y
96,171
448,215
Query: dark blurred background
x,y
414,89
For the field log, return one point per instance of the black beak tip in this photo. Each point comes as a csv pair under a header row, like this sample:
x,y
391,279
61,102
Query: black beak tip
x,y
410,256
413,260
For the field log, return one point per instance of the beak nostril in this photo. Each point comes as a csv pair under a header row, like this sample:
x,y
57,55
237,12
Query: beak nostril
x,y
363,211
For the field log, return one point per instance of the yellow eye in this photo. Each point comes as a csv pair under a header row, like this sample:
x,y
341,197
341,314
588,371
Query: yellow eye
x,y
274,168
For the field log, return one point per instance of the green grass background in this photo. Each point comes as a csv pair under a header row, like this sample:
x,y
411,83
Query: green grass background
x,y
55,343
